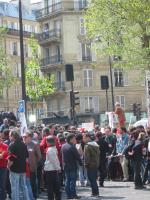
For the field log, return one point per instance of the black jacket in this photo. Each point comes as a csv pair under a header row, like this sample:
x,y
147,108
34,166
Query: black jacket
x,y
70,157
104,148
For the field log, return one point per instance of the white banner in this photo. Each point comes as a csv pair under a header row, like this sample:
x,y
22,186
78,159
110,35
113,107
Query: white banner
x,y
88,126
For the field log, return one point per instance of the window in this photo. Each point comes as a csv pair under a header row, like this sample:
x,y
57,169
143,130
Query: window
x,y
14,48
82,27
16,92
88,77
118,78
25,50
89,104
121,100
17,70
86,52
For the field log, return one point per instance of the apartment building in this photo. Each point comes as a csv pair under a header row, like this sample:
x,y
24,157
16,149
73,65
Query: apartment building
x,y
9,17
63,41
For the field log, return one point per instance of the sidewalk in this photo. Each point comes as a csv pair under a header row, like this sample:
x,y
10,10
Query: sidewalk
x,y
112,191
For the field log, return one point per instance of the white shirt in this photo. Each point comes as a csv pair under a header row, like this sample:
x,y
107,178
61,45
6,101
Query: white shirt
x,y
52,162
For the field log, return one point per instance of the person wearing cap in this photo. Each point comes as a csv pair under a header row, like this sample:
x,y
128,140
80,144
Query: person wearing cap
x,y
52,168
120,114
71,159
91,161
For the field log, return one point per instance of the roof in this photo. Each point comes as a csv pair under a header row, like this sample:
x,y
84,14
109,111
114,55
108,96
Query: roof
x,y
12,10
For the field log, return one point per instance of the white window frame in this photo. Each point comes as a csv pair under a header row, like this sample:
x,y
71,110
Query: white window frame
x,y
119,99
16,92
82,27
87,78
118,71
90,105
85,48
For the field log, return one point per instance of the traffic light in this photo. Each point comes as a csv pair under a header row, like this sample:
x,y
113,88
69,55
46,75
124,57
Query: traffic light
x,y
74,100
139,113
135,109
148,87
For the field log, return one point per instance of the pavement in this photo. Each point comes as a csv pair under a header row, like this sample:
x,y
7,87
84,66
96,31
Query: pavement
x,y
112,191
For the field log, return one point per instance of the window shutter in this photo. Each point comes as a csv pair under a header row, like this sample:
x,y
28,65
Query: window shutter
x,y
19,69
79,52
18,48
126,79
113,77
96,104
93,50
82,105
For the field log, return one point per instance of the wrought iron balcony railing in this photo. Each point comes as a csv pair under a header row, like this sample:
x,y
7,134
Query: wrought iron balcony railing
x,y
62,6
49,35
52,60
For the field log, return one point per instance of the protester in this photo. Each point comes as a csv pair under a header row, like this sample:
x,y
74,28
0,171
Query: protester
x,y
18,156
34,157
91,161
4,126
121,145
80,149
70,159
104,149
120,114
3,167
52,168
137,159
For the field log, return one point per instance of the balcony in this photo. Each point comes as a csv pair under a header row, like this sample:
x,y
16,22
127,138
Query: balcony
x,y
49,36
59,86
16,32
51,61
86,58
61,7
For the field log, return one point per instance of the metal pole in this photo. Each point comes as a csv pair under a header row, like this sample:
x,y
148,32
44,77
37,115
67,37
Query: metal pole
x,y
111,80
73,106
22,55
106,100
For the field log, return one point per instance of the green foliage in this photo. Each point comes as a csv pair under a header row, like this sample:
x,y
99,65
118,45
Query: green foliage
x,y
6,78
121,28
37,85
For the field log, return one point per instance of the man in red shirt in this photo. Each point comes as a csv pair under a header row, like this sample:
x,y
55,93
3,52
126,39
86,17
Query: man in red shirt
x,y
3,168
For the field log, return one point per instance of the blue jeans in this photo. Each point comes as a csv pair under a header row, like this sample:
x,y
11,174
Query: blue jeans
x,y
92,176
70,183
29,188
18,186
3,178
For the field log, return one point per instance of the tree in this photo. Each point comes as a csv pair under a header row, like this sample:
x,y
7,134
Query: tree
x,y
121,28
37,85
6,78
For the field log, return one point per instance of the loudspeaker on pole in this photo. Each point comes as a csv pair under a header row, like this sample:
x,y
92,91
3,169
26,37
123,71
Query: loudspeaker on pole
x,y
104,83
69,72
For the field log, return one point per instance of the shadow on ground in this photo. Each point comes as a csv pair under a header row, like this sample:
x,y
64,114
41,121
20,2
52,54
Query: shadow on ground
x,y
111,197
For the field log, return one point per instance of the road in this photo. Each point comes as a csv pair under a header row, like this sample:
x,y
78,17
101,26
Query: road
x,y
113,191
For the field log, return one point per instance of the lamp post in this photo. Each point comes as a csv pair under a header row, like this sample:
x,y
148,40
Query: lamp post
x,y
22,55
111,80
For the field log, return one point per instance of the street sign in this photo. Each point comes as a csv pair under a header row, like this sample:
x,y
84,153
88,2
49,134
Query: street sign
x,y
21,106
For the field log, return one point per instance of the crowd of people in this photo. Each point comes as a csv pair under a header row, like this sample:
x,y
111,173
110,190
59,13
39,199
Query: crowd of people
x,y
53,157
